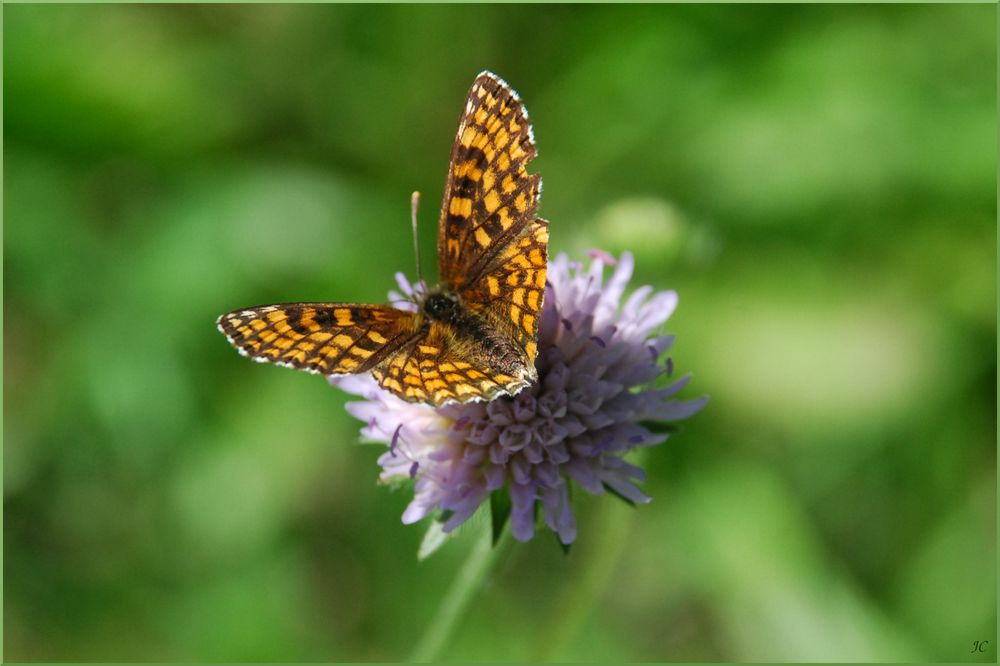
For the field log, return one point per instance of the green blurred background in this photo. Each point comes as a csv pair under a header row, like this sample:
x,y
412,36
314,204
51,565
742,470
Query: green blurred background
x,y
818,184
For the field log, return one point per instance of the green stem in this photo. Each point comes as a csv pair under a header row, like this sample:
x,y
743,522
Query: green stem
x,y
613,521
456,599
579,599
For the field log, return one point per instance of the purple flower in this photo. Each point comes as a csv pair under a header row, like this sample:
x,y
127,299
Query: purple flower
x,y
598,366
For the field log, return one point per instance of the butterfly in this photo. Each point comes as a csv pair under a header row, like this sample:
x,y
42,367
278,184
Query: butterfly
x,y
474,335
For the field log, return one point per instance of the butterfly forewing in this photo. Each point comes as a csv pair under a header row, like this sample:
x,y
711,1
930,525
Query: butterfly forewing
x,y
489,197
325,338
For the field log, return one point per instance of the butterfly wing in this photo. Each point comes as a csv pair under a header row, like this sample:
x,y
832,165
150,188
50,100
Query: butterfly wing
x,y
510,294
322,338
489,198
439,367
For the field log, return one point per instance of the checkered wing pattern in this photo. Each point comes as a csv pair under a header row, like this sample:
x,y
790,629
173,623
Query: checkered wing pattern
x,y
489,199
510,294
323,338
440,368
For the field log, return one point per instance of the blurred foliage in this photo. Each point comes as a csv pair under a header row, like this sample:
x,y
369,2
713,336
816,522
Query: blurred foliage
x,y
818,183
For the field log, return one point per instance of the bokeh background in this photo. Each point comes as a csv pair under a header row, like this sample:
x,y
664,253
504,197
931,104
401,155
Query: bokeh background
x,y
818,183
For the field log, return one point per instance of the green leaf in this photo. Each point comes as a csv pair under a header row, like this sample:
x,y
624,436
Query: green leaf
x,y
499,513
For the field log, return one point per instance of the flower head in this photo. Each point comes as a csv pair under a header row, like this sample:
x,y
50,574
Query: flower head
x,y
598,362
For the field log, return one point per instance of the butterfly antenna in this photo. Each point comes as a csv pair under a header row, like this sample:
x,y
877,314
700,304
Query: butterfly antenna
x,y
414,203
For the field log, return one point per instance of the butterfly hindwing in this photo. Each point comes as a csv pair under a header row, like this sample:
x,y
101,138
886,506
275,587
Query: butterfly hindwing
x,y
325,338
441,367
489,197
511,293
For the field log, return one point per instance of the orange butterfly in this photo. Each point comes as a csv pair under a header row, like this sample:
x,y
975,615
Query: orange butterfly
x,y
473,337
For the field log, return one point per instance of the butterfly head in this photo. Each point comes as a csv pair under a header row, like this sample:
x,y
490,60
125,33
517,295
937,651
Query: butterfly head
x,y
440,306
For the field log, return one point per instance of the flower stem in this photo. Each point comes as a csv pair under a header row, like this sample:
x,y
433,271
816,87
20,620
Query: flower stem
x,y
456,599
614,521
